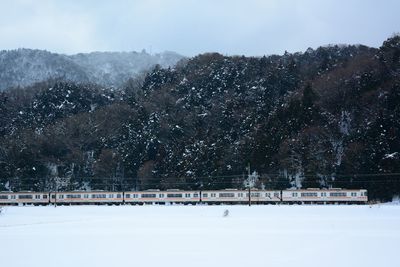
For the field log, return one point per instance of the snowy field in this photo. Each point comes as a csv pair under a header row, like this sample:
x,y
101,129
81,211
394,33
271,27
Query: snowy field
x,y
175,236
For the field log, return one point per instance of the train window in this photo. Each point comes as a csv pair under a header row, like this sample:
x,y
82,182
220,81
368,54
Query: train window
x,y
53,196
99,196
255,194
240,194
294,194
60,196
110,195
353,194
3,196
174,195
135,195
161,195
226,194
148,195
118,195
195,195
213,194
37,196
25,196
127,195
276,194
338,194
44,196
13,197
86,196
323,194
73,196
205,194
309,194
187,195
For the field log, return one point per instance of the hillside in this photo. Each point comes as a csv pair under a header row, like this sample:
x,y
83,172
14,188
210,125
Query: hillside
x,y
327,117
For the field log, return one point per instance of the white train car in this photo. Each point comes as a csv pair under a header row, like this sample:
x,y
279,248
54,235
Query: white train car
x,y
162,197
24,198
86,197
334,195
225,196
240,196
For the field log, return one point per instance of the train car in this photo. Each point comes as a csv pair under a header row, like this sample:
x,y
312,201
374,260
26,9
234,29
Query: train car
x,y
347,195
229,196
24,198
162,197
334,195
86,197
222,196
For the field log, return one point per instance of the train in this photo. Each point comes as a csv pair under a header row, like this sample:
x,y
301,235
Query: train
x,y
175,196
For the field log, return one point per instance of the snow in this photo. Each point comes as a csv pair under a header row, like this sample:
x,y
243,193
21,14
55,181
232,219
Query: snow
x,y
391,156
200,236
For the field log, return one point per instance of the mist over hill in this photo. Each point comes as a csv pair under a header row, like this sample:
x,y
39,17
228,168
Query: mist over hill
x,y
24,67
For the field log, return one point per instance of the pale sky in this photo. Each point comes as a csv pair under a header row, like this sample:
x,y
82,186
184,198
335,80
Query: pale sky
x,y
190,27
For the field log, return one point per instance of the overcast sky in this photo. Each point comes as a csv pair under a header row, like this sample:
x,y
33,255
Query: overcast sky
x,y
190,27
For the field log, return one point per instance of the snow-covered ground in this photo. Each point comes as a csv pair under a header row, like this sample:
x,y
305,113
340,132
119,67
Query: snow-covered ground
x,y
175,236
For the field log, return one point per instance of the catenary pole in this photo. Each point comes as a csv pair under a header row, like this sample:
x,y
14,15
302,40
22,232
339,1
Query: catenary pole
x,y
249,184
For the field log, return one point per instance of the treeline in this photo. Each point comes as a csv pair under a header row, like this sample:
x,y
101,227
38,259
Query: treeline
x,y
323,118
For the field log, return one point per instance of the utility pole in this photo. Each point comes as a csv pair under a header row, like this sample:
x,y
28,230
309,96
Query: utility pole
x,y
248,177
251,181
